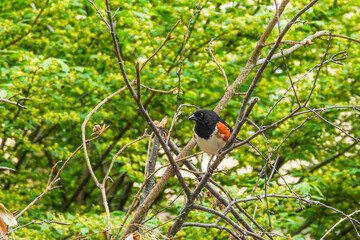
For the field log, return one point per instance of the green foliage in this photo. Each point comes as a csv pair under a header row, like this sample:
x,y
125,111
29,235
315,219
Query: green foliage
x,y
60,55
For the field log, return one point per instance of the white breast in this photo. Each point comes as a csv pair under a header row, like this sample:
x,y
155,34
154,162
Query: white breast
x,y
211,145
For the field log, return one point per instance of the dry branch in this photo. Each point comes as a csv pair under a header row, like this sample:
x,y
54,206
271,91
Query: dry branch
x,y
50,183
158,188
32,223
17,103
217,63
295,47
244,112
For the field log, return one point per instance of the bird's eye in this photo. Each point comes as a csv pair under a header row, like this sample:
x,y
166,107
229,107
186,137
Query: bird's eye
x,y
199,114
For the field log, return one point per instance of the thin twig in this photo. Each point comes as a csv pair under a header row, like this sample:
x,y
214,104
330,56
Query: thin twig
x,y
17,103
50,184
116,12
138,80
285,42
227,220
31,27
307,40
291,81
168,37
333,60
32,223
204,225
162,183
175,117
172,91
163,209
178,73
341,220
332,124
98,12
6,168
142,110
318,71
324,109
345,37
145,135
217,63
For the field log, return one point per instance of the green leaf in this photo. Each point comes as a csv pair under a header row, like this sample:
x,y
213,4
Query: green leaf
x,y
84,230
70,217
44,226
3,93
139,14
79,69
303,187
63,65
299,237
46,64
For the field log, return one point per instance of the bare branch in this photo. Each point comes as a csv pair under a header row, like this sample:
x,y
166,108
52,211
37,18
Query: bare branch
x,y
32,223
345,37
228,220
145,135
332,124
324,109
291,81
100,14
251,63
341,220
29,31
284,42
142,111
168,37
178,73
204,225
150,166
50,184
172,91
17,103
327,160
6,168
295,47
116,12
175,117
217,63
138,80
318,71
222,103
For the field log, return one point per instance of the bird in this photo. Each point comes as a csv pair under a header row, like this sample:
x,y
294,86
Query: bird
x,y
211,132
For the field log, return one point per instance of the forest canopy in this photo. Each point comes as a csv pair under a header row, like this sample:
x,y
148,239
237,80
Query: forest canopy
x,y
283,74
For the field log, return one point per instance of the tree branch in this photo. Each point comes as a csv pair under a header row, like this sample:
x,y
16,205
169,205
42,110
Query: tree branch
x,y
217,63
32,223
292,49
17,103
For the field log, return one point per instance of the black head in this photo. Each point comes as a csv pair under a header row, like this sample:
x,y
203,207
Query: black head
x,y
205,117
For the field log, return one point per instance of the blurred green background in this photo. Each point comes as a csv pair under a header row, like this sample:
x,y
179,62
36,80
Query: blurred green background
x,y
60,55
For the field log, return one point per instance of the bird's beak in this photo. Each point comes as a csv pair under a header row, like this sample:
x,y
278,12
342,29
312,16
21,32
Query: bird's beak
x,y
192,117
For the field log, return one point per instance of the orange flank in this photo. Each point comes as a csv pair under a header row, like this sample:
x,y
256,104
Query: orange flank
x,y
223,131
137,236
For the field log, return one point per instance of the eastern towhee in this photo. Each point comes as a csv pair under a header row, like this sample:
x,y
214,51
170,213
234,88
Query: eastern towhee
x,y
211,132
